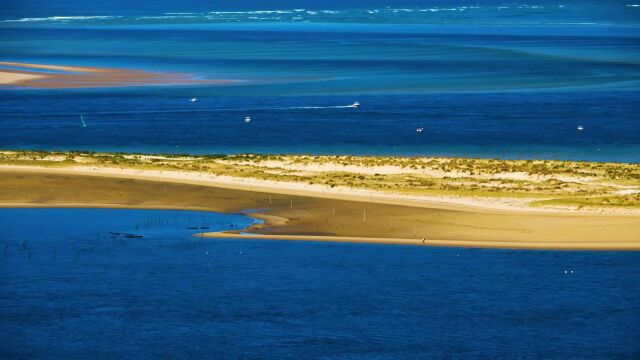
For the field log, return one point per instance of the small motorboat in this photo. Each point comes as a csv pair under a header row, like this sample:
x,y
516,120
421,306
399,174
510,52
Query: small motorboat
x,y
580,128
419,129
247,119
193,99
355,105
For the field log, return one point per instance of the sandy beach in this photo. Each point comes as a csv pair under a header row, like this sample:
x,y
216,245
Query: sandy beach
x,y
303,214
60,77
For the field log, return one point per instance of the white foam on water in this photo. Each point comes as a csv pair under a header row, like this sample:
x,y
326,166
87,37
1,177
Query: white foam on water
x,y
61,18
413,15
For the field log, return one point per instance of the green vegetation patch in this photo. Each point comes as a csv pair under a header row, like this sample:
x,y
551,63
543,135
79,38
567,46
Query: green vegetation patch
x,y
566,183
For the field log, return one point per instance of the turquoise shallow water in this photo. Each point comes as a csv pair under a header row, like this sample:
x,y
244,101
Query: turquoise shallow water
x,y
69,288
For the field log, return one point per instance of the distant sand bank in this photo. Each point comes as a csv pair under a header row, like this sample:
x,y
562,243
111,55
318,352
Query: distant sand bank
x,y
297,214
28,75
10,78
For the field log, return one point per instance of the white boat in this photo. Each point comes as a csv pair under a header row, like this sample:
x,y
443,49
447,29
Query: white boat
x,y
580,128
84,124
355,105
193,99
419,129
247,119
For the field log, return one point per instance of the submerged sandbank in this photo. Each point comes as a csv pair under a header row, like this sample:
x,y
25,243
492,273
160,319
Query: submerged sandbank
x,y
58,77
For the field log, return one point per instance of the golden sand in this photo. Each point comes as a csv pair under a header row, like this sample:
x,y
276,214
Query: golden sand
x,y
312,217
514,185
557,245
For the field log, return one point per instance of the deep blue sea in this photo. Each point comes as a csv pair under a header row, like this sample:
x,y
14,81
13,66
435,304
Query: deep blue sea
x,y
484,79
70,288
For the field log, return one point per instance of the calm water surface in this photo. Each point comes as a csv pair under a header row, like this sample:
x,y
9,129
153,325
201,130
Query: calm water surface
x,y
70,289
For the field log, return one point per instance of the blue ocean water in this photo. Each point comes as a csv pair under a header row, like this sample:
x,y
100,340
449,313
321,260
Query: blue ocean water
x,y
69,288
484,79
489,79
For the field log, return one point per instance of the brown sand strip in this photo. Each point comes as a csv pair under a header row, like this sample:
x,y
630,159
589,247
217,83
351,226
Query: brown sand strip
x,y
619,245
91,77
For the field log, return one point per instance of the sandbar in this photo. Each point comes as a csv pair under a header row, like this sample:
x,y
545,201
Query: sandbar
x,y
314,216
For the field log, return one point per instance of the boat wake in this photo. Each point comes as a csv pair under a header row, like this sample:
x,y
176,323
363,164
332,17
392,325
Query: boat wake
x,y
355,105
204,110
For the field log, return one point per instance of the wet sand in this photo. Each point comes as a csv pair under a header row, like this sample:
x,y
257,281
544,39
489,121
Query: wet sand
x,y
559,245
314,218
32,76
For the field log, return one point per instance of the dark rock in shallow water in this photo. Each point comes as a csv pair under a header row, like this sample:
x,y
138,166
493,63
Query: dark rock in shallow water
x,y
125,235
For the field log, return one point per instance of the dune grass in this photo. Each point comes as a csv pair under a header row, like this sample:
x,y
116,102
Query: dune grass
x,y
543,183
